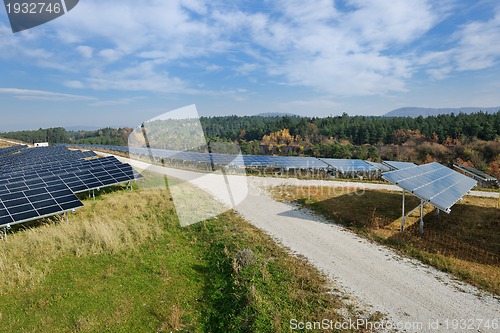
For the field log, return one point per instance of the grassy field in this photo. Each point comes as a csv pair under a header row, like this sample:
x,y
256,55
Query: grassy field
x,y
123,264
465,242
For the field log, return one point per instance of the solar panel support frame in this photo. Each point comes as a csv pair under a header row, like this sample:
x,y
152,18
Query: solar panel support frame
x,y
5,228
404,216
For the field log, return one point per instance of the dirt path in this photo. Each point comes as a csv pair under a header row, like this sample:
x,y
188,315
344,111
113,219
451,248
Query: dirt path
x,y
409,292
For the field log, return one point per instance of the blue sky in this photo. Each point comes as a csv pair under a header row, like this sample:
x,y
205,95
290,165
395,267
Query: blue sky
x,y
119,63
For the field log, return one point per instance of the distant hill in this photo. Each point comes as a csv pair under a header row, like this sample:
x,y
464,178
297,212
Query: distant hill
x,y
81,128
424,112
276,114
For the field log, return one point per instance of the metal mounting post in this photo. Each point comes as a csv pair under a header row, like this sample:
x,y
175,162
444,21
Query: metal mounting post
x,y
403,214
421,217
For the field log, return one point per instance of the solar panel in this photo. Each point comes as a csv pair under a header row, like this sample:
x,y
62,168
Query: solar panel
x,y
348,165
57,167
476,173
27,205
10,150
296,162
41,182
78,181
379,166
433,183
397,165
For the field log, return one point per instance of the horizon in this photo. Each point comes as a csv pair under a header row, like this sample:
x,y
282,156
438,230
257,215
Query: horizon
x,y
119,63
269,114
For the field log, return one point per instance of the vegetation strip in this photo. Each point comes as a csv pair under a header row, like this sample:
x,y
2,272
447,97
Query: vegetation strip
x,y
464,243
124,264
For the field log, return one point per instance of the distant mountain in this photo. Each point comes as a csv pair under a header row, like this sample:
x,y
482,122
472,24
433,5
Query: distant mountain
x,y
81,128
276,114
424,112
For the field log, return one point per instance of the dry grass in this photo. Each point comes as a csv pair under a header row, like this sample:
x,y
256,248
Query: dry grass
x,y
123,263
5,144
465,242
27,255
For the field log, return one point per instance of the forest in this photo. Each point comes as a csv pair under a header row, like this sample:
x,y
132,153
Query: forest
x,y
472,139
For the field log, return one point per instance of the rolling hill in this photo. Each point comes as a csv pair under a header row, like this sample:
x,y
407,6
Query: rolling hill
x,y
424,112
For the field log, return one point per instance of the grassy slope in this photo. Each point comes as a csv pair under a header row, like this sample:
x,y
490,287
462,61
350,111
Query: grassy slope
x,y
473,224
123,264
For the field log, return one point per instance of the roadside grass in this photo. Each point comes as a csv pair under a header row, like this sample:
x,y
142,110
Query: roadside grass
x,y
123,264
455,243
5,144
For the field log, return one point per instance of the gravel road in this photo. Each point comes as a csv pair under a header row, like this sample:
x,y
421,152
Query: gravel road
x,y
411,294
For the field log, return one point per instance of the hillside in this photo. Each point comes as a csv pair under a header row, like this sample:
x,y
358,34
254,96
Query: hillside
x,y
415,112
123,264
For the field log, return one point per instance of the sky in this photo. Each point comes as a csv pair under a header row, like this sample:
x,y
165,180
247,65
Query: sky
x,y
122,62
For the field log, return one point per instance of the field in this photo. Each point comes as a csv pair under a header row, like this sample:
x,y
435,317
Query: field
x,y
124,264
465,243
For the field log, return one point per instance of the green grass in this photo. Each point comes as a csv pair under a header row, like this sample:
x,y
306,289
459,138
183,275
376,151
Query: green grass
x,y
457,243
123,264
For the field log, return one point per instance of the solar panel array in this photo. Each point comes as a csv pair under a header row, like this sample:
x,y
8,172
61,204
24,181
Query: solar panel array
x,y
10,150
478,173
283,162
345,166
379,166
397,165
433,183
41,182
23,206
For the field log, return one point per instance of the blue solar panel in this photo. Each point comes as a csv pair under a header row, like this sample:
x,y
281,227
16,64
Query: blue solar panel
x,y
434,183
347,165
23,206
397,165
379,166
41,182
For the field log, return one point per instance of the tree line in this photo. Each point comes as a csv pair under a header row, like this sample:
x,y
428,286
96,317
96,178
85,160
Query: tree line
x,y
473,139
358,130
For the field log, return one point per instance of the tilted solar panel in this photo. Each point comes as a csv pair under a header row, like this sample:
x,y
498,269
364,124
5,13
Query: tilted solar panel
x,y
348,165
77,181
379,166
27,205
434,183
10,150
296,162
397,165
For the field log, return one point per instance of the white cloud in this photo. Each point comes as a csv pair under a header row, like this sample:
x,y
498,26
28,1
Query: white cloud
x,y
110,55
246,69
142,77
73,84
363,50
342,54
86,51
213,68
477,47
41,95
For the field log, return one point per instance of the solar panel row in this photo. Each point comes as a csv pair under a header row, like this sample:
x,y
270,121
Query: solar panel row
x,y
379,166
345,165
286,162
23,160
45,181
397,165
57,167
77,181
23,206
10,150
434,183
